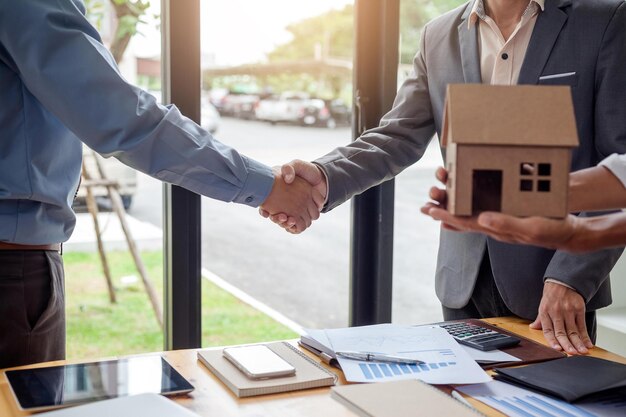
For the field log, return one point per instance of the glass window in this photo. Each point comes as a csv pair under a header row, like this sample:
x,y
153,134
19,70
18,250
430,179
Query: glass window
x,y
277,85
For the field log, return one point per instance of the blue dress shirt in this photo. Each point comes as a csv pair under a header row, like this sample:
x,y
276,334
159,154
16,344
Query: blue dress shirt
x,y
59,86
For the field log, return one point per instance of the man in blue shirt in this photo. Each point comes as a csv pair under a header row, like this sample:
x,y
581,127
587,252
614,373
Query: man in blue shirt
x,y
59,88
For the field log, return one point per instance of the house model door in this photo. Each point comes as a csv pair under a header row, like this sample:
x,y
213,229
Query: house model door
x,y
486,190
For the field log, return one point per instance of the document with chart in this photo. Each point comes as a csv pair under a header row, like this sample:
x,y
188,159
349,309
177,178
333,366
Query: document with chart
x,y
514,401
444,361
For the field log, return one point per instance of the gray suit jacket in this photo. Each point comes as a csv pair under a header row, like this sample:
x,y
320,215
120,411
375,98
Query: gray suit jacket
x,y
587,37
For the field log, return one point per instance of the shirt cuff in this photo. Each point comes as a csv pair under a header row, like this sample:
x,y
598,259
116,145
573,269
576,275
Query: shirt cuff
x,y
258,184
617,165
326,180
556,281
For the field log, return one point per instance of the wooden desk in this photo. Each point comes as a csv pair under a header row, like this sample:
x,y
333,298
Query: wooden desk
x,y
212,398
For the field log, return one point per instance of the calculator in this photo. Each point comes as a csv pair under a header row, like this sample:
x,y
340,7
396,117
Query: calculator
x,y
478,337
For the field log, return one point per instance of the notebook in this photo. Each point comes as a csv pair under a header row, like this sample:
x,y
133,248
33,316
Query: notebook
x,y
569,378
144,405
400,398
309,374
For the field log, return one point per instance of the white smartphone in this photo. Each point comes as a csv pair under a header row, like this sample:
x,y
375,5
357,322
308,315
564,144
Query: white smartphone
x,y
258,362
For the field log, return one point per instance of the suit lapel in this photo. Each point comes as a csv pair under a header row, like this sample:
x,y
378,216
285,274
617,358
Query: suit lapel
x,y
547,28
468,42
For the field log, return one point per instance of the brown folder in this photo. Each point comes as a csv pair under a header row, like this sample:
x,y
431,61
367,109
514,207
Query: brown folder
x,y
527,350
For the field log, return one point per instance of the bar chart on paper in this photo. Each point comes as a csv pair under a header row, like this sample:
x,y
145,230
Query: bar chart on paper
x,y
518,402
378,371
443,360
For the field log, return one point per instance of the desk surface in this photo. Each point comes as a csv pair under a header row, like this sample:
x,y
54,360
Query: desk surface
x,y
212,398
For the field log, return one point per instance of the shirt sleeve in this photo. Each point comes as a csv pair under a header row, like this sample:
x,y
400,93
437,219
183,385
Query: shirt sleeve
x,y
61,61
617,165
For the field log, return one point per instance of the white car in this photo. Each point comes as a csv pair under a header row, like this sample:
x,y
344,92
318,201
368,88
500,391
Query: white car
x,y
210,117
114,170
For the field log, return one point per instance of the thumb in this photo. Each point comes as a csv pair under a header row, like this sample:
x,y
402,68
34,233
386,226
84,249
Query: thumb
x,y
536,324
288,173
307,171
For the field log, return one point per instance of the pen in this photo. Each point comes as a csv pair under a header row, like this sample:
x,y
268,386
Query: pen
x,y
459,397
380,357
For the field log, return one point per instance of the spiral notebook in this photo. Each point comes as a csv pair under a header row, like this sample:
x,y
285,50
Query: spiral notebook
x,y
309,374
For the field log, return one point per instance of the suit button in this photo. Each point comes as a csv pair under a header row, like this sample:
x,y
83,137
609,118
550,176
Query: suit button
x,y
249,199
505,56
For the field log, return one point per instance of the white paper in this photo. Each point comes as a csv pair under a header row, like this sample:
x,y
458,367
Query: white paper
x,y
492,356
519,402
445,361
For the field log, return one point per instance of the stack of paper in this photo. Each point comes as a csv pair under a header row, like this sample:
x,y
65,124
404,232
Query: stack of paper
x,y
445,362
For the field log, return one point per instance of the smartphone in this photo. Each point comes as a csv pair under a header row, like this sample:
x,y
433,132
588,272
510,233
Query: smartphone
x,y
258,362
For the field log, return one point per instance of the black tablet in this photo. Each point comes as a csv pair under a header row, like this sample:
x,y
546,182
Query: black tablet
x,y
61,386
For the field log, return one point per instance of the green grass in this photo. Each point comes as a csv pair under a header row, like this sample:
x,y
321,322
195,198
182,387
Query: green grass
x,y
97,328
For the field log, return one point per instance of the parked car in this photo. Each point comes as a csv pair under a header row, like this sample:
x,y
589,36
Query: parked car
x,y
299,108
114,170
234,104
210,117
325,113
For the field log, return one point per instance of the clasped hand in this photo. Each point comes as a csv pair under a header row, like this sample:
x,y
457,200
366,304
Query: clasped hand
x,y
297,197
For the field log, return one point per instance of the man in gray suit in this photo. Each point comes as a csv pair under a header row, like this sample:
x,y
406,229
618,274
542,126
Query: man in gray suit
x,y
580,43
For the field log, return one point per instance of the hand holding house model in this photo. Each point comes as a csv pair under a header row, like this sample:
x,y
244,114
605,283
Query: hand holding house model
x,y
508,149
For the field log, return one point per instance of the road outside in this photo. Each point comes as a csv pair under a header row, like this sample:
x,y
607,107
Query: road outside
x,y
305,277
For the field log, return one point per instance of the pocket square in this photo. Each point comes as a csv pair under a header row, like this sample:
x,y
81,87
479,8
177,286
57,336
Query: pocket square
x,y
553,76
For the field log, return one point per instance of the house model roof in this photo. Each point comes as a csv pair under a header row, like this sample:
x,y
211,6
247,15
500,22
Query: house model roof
x,y
509,115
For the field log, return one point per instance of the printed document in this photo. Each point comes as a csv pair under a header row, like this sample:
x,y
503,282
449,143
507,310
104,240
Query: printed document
x,y
519,402
445,361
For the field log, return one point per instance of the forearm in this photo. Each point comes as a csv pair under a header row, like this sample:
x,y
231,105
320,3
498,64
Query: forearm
x,y
595,233
595,189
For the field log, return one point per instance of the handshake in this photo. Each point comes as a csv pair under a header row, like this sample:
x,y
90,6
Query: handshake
x,y
297,197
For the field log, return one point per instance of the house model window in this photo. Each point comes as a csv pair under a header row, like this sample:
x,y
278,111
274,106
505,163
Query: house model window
x,y
510,147
535,177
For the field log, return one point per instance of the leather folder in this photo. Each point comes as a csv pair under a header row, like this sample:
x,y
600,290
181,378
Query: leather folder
x,y
527,350
570,379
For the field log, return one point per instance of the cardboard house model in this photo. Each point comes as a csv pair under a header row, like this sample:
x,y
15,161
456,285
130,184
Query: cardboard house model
x,y
508,149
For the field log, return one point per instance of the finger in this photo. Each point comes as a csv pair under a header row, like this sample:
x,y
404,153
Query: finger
x,y
288,172
536,325
308,171
308,221
573,334
425,209
314,212
560,332
319,199
459,223
292,222
441,174
437,194
548,331
264,213
300,224
582,328
279,218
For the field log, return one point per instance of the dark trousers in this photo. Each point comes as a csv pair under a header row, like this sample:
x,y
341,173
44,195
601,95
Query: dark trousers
x,y
32,307
486,301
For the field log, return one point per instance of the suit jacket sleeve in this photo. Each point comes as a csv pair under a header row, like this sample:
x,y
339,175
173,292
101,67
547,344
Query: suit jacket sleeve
x,y
586,273
383,152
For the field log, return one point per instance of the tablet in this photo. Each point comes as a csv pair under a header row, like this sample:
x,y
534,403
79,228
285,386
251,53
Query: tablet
x,y
38,389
